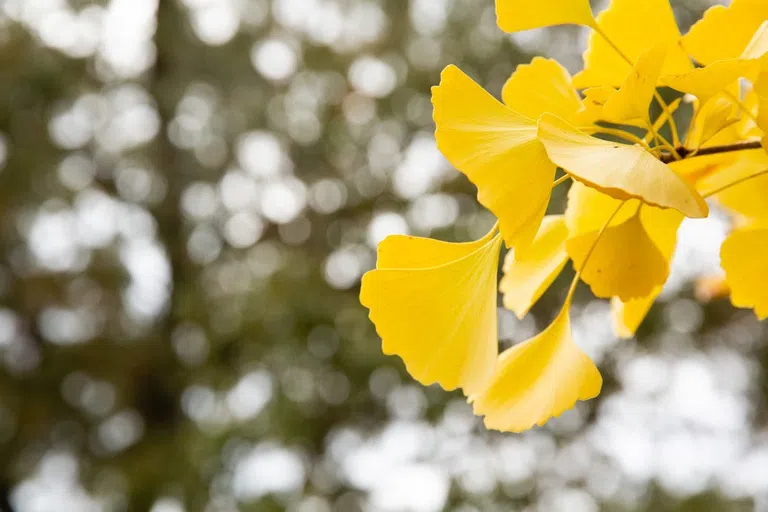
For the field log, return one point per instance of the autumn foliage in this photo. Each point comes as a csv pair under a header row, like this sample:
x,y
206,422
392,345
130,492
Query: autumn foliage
x,y
434,303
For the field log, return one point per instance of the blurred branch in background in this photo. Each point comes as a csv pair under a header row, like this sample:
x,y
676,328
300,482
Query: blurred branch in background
x,y
190,191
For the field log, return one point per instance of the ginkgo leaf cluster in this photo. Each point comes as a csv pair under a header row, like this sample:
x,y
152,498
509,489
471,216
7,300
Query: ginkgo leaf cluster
x,y
434,303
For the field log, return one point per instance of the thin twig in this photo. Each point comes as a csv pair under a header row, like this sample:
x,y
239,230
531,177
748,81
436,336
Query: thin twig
x,y
712,150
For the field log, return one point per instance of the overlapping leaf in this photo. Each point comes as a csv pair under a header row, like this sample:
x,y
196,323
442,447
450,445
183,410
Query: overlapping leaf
x,y
706,82
748,197
587,212
634,96
633,27
542,86
527,276
618,170
498,150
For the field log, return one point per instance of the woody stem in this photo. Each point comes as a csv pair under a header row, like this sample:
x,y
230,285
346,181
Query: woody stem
x,y
712,150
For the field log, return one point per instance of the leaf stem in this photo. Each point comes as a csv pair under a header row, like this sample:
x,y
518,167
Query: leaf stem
x,y
560,180
575,281
735,182
744,108
623,134
692,124
664,142
662,119
662,103
670,118
610,42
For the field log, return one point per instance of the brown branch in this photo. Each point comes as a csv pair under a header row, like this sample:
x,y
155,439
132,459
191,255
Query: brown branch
x,y
712,150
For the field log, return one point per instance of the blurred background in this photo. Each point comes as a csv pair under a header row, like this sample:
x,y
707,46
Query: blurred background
x,y
190,191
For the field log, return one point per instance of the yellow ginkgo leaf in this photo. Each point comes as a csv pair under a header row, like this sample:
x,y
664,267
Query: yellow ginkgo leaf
x,y
740,131
761,92
627,316
527,276
516,15
434,305
661,226
538,379
414,252
713,117
619,170
703,166
724,32
624,262
634,96
695,169
706,82
498,150
542,86
747,198
758,45
595,99
587,212
742,257
634,27
594,102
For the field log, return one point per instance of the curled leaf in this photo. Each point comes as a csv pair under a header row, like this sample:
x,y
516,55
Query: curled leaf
x,y
618,170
